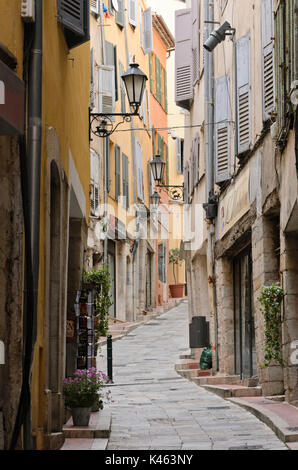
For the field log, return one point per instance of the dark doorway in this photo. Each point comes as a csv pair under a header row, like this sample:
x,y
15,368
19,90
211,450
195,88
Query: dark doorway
x,y
244,328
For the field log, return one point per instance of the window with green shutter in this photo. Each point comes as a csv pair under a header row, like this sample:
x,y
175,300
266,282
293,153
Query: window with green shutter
x,y
165,90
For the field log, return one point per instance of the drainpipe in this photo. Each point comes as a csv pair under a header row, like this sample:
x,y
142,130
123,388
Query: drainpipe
x,y
31,169
209,155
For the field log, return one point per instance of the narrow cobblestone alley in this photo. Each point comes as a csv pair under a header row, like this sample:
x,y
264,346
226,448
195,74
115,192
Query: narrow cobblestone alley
x,y
154,408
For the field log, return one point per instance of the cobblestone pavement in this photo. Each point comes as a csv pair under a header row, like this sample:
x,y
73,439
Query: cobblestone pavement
x,y
154,408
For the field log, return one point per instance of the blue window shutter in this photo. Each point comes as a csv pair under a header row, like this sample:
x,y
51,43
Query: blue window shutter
x,y
243,93
222,129
183,58
267,59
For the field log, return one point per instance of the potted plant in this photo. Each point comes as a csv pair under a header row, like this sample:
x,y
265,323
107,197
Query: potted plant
x,y
83,391
177,290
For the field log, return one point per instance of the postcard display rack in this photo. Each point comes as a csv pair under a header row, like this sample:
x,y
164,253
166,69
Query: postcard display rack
x,y
86,344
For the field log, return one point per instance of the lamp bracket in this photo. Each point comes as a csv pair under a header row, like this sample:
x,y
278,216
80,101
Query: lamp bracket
x,y
101,125
175,192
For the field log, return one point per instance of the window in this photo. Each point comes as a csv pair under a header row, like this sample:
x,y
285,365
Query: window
x,y
222,129
148,37
243,94
267,59
162,262
73,15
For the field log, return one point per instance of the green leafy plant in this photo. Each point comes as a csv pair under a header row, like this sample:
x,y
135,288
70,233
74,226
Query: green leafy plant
x,y
100,280
271,298
175,259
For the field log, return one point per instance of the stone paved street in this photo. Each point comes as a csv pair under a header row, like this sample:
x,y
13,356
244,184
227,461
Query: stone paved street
x,y
154,408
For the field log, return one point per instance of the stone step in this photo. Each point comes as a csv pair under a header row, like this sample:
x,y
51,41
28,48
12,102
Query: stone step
x,y
99,427
218,379
85,444
192,374
185,364
237,391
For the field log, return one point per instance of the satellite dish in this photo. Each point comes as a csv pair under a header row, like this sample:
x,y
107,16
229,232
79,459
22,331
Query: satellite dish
x,y
115,5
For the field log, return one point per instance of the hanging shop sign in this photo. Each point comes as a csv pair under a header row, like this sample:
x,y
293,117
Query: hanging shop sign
x,y
235,204
12,100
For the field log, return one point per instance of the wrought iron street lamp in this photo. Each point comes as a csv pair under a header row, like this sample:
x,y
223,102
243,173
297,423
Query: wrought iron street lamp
x,y
158,166
155,200
101,124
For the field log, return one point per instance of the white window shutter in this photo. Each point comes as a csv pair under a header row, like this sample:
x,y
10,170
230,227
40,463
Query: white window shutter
x,y
94,5
222,129
195,13
95,183
197,160
139,167
178,156
141,28
92,81
148,111
243,94
183,58
106,89
120,14
148,36
132,12
267,59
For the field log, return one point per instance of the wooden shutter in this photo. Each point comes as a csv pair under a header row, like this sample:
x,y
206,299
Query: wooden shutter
x,y
148,37
267,59
106,88
186,183
165,78
195,13
71,15
92,80
139,166
150,72
178,156
141,28
122,89
132,12
117,172
148,111
107,163
280,59
94,5
120,14
167,162
197,161
243,93
222,129
183,58
158,79
111,60
74,16
125,180
94,179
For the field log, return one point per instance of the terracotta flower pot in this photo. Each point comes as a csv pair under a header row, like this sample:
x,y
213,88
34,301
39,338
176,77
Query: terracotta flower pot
x,y
177,291
81,416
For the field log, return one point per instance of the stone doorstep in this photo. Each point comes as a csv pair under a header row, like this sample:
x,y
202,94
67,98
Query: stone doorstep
x,y
185,364
278,422
192,374
218,379
85,444
227,391
99,427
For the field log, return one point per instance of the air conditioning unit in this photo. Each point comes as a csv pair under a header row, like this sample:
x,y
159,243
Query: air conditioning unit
x,y
95,6
28,11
